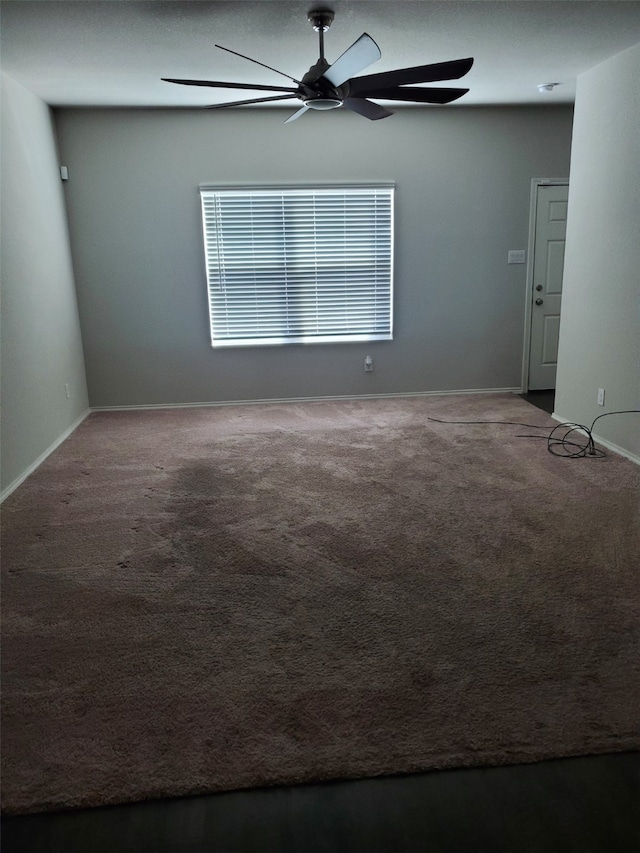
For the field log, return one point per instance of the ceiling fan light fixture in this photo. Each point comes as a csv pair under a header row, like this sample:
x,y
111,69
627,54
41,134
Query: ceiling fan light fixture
x,y
323,103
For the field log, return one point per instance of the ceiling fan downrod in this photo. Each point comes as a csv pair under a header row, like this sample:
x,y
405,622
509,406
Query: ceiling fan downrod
x,y
320,95
321,20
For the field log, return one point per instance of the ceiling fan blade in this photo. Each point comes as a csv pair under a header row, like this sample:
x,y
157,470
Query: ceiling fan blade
x,y
297,114
250,101
366,108
361,54
242,56
418,74
421,96
218,84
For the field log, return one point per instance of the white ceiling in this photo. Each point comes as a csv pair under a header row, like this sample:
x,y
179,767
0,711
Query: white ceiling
x,y
113,53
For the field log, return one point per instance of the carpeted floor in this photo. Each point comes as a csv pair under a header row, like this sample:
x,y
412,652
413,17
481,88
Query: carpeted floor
x,y
217,598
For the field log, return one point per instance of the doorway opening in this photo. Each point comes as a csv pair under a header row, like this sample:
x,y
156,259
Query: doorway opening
x,y
544,400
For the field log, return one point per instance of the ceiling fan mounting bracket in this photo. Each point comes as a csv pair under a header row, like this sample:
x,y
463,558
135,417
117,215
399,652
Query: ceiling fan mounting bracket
x,y
320,19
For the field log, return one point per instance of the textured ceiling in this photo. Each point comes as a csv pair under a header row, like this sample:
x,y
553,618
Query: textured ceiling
x,y
94,53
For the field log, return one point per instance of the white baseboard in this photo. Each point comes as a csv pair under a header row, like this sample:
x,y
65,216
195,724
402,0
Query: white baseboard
x,y
306,399
14,485
603,441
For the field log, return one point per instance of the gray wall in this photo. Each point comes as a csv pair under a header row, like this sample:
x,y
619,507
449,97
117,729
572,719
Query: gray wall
x,y
600,323
463,182
41,344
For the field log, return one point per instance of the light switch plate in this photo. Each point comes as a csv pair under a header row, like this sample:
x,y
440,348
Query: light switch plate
x,y
516,256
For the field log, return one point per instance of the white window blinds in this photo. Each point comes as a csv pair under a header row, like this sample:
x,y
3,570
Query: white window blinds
x,y
299,265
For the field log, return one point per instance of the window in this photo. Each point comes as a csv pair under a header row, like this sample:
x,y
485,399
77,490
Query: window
x,y
299,265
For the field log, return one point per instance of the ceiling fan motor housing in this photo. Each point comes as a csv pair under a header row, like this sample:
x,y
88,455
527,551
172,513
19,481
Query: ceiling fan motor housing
x,y
317,92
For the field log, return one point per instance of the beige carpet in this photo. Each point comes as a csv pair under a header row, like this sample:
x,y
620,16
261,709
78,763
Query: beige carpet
x,y
214,598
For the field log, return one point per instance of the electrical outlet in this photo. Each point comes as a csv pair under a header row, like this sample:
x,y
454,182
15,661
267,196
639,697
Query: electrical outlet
x,y
601,396
368,364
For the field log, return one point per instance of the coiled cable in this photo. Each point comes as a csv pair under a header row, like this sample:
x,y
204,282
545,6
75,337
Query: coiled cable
x,y
559,443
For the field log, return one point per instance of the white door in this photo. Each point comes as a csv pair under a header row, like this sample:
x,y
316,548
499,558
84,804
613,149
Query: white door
x,y
548,265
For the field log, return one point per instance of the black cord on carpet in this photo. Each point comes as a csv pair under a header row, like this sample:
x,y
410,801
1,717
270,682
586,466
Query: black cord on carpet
x,y
557,444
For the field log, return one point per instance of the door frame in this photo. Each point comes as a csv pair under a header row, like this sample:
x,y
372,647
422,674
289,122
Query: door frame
x,y
528,297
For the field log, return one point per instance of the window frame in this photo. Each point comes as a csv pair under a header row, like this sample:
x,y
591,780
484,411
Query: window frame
x,y
374,296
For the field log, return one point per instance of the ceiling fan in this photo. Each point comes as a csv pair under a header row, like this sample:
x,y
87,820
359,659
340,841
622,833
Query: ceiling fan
x,y
327,87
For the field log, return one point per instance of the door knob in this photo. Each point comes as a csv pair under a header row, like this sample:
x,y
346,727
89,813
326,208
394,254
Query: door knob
x,y
539,301
538,287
